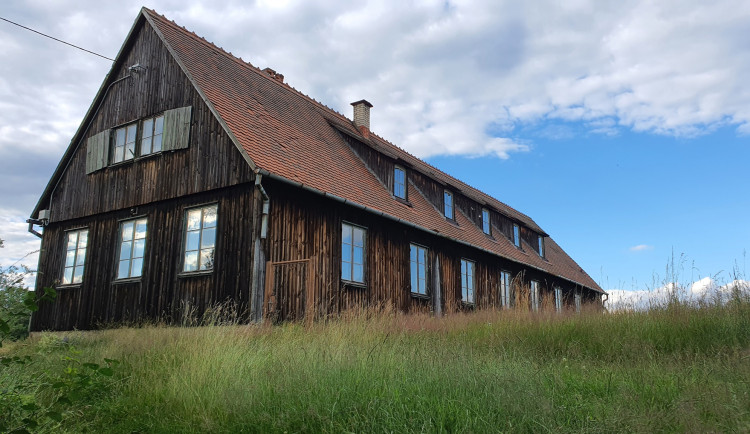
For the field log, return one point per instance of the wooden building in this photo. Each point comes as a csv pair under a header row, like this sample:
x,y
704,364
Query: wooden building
x,y
196,179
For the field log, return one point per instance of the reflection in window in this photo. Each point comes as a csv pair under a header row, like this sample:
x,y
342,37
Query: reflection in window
x,y
486,221
505,289
418,267
516,235
200,238
75,256
153,129
448,204
124,145
132,248
352,253
467,281
399,182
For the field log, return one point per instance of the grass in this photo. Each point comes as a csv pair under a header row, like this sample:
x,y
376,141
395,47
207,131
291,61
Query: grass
x,y
678,368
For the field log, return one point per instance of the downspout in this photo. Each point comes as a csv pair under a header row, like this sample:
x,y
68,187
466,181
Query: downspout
x,y
266,206
257,287
33,222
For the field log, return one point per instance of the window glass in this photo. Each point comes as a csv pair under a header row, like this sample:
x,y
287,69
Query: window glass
x,y
399,182
75,256
352,253
534,295
558,299
505,289
418,268
540,245
467,281
132,248
516,235
152,133
448,202
486,221
200,238
578,302
123,147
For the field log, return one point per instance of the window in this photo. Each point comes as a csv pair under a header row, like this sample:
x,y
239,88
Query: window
x,y
75,257
352,253
418,266
534,295
467,281
578,303
486,221
399,182
132,247
558,300
505,289
540,245
448,204
200,238
124,143
516,235
153,130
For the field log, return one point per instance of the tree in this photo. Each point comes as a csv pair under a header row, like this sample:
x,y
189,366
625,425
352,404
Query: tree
x,y
14,296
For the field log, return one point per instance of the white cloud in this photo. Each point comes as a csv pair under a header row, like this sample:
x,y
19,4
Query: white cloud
x,y
20,248
705,290
641,248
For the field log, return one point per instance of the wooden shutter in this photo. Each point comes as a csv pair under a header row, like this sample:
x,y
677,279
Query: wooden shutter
x,y
97,152
176,128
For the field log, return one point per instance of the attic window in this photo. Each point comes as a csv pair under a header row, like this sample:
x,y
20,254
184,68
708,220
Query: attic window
x,y
399,182
153,128
123,146
486,221
516,235
448,204
540,245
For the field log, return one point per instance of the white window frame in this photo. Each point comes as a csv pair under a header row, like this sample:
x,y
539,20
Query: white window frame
x,y
128,147
75,257
540,245
578,303
153,135
399,188
134,262
558,300
486,223
505,289
534,295
349,268
418,269
448,208
467,281
516,235
205,254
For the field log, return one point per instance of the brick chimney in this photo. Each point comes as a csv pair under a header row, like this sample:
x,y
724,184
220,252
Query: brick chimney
x,y
275,75
362,116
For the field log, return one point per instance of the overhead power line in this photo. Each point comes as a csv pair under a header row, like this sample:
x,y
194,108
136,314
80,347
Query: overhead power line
x,y
58,40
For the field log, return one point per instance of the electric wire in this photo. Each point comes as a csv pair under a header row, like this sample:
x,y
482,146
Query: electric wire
x,y
58,40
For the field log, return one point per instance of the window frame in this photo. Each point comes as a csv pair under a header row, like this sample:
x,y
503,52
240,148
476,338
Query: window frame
x,y
113,145
558,299
426,264
184,251
118,252
363,282
540,246
82,266
534,295
396,169
486,222
516,235
465,265
505,283
140,139
448,194
578,302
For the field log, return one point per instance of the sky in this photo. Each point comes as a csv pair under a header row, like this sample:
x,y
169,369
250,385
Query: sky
x,y
621,128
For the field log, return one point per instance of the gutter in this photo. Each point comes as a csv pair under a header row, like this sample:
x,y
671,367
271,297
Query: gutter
x,y
264,172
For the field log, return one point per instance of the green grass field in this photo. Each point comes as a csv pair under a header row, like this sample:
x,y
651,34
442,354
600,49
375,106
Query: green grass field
x,y
678,368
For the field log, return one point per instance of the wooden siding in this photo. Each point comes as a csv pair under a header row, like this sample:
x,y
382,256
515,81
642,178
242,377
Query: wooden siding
x,y
303,225
163,293
211,160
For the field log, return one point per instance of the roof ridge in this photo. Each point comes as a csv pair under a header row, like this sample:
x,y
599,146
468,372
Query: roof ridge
x,y
301,94
249,65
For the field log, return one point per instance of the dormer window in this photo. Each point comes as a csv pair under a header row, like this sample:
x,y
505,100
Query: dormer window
x,y
448,204
486,221
516,235
540,245
399,182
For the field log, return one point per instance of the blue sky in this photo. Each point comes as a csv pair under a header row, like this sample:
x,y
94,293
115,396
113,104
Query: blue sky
x,y
621,128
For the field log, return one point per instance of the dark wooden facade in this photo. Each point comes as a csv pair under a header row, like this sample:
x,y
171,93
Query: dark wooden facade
x,y
278,245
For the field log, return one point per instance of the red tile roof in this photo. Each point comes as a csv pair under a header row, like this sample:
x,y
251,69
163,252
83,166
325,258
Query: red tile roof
x,y
291,135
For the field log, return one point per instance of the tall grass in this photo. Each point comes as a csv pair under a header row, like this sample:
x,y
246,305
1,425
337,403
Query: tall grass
x,y
678,368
